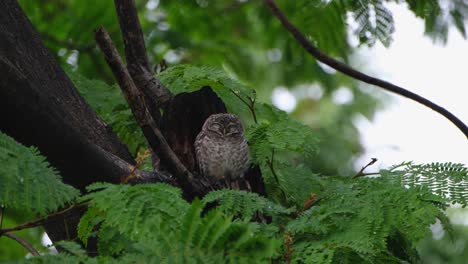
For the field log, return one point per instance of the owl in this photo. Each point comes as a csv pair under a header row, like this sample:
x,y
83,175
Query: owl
x,y
221,149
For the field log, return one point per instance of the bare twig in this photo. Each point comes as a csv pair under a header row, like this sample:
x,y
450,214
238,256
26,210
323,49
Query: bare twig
x,y
369,174
339,66
2,211
361,172
24,243
137,104
250,104
42,220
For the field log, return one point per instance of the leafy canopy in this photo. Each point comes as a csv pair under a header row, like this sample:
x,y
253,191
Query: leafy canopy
x,y
305,218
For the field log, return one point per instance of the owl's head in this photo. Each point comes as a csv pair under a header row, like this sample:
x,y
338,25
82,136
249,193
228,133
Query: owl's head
x,y
224,125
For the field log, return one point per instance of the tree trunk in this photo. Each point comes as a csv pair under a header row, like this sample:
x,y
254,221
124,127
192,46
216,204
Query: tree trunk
x,y
40,106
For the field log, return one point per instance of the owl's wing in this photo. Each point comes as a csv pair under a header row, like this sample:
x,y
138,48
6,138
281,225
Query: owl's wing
x,y
200,152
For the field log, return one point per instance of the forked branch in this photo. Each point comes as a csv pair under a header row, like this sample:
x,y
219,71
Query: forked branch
x,y
156,95
339,66
137,104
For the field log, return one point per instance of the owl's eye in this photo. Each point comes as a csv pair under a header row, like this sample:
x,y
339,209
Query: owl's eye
x,y
215,127
231,130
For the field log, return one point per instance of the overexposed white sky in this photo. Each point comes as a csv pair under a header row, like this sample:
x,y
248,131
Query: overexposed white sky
x,y
406,130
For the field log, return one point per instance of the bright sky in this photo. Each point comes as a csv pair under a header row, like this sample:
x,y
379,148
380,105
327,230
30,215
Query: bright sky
x,y
406,130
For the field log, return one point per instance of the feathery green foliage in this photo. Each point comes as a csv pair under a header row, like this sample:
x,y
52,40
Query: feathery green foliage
x,y
449,180
276,132
134,210
339,220
282,149
318,219
245,205
380,26
359,218
28,182
155,221
187,78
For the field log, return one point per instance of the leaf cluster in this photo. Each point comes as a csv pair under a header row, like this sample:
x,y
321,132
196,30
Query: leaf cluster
x,y
155,222
305,218
28,182
448,180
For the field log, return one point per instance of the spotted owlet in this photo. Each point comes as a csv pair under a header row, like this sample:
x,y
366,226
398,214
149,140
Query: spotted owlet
x,y
221,148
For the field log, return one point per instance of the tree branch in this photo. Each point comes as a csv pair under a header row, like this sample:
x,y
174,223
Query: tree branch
x,y
339,66
135,100
42,220
24,243
361,172
156,95
135,50
129,173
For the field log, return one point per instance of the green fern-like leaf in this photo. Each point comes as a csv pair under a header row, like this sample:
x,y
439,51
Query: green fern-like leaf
x,y
137,211
187,78
358,218
375,22
281,149
244,204
275,132
448,180
72,248
28,182
154,222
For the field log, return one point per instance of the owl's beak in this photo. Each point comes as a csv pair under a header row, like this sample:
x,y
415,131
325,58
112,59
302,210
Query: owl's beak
x,y
224,131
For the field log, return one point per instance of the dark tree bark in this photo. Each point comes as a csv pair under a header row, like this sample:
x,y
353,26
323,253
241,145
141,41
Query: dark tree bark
x,y
184,119
40,106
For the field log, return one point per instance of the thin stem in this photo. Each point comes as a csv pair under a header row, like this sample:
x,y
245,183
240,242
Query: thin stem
x,y
2,211
361,172
370,173
275,176
252,108
339,66
24,243
250,105
41,220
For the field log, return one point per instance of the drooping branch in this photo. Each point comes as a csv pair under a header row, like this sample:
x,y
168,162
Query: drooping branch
x,y
156,95
137,104
24,243
339,66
